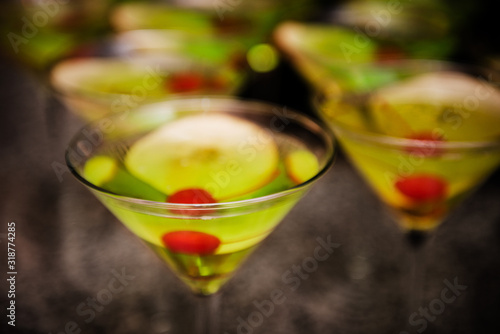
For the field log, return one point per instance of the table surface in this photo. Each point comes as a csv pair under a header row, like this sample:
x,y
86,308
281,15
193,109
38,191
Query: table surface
x,y
70,249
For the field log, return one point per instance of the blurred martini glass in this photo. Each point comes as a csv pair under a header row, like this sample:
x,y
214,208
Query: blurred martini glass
x,y
142,67
323,52
249,22
423,142
202,181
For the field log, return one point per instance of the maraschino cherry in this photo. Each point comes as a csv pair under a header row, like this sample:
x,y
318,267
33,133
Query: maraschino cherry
x,y
422,187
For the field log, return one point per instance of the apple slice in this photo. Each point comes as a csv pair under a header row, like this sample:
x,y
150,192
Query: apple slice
x,y
100,169
301,165
280,182
108,76
224,155
443,98
107,173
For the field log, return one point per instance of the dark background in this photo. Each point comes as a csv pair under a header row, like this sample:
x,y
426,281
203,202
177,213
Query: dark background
x,y
67,244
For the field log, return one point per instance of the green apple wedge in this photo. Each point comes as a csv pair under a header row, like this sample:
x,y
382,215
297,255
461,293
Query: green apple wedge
x,y
107,173
452,101
224,155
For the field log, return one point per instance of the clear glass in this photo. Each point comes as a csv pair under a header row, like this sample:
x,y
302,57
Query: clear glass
x,y
240,225
93,87
424,136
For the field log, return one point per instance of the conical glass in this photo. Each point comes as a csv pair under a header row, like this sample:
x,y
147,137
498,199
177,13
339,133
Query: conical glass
x,y
133,73
320,51
203,242
423,140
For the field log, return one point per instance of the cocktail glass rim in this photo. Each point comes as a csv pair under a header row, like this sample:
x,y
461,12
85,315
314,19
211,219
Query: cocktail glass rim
x,y
107,98
396,141
319,127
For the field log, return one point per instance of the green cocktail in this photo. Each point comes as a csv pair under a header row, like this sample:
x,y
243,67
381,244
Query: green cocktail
x,y
331,54
95,86
423,144
201,172
202,181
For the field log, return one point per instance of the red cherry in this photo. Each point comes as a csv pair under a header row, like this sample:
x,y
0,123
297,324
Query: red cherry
x,y
190,242
185,82
429,144
191,196
422,188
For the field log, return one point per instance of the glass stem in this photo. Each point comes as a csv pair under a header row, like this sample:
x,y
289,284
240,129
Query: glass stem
x,y
417,275
207,316
417,241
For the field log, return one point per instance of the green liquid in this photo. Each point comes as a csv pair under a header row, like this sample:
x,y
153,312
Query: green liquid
x,y
382,166
203,274
240,231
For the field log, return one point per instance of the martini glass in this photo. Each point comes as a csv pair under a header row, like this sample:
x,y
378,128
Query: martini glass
x,y
251,22
320,51
202,181
192,65
423,141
